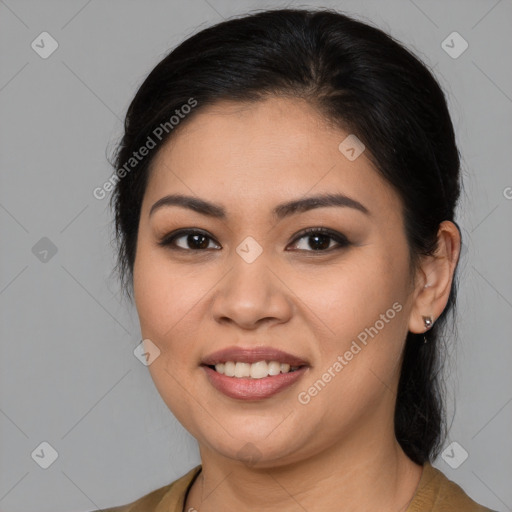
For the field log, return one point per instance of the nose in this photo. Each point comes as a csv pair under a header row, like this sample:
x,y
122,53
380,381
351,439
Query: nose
x,y
252,294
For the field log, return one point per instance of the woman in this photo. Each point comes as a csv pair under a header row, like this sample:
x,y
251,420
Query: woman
x,y
285,218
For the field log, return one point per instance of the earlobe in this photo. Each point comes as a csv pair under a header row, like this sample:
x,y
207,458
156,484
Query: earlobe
x,y
437,272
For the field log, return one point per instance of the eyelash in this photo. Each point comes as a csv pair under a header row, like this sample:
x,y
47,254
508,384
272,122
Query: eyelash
x,y
168,240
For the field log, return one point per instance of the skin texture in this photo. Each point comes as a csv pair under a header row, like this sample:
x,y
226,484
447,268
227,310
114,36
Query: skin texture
x,y
337,452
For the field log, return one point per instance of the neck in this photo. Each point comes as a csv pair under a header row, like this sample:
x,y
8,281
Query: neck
x,y
366,472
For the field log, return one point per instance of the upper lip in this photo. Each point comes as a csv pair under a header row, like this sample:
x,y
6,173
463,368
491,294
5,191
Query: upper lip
x,y
252,355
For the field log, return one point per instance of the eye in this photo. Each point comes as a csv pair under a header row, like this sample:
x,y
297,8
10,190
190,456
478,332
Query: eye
x,y
193,240
322,238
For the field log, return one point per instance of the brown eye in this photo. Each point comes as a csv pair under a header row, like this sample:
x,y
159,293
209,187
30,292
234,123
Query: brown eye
x,y
320,240
193,240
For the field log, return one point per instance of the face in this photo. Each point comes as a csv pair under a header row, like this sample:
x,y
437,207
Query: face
x,y
338,300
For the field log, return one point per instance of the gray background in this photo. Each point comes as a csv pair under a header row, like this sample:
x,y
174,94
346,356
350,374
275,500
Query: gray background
x,y
68,372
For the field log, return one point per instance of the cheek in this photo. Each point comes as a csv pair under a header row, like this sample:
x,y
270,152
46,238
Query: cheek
x,y
363,305
164,294
344,299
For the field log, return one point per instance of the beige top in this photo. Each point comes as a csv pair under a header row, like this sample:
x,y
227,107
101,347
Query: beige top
x,y
435,493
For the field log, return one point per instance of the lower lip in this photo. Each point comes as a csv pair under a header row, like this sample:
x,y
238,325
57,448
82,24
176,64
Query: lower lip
x,y
252,389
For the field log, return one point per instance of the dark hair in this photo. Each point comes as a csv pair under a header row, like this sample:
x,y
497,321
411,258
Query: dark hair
x,y
361,80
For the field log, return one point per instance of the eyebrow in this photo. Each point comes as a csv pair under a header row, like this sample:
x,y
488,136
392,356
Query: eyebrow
x,y
279,212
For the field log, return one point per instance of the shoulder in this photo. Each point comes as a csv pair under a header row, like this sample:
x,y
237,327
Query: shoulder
x,y
436,493
164,498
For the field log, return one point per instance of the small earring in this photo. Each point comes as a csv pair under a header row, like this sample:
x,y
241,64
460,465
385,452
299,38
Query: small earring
x,y
427,320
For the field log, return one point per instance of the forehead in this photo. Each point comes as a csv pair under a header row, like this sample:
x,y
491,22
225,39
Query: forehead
x,y
276,148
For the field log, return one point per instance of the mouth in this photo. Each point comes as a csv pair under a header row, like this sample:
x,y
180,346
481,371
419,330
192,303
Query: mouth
x,y
254,363
253,374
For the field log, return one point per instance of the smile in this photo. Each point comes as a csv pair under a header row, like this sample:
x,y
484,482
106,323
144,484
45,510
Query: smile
x,y
258,370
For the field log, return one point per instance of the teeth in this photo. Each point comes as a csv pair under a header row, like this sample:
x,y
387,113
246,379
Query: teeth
x,y
257,370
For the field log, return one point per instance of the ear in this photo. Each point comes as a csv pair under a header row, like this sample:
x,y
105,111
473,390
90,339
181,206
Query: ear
x,y
434,278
